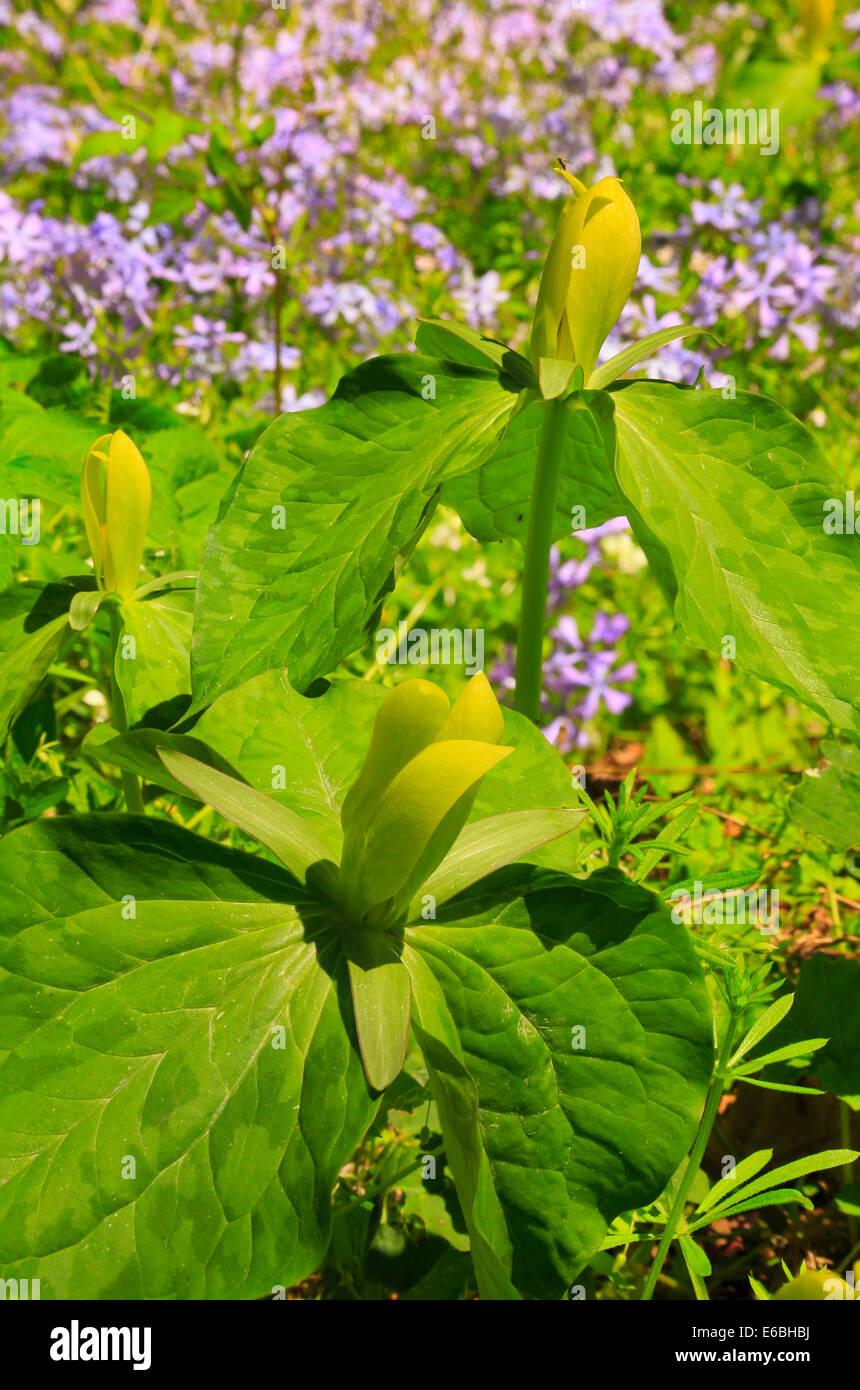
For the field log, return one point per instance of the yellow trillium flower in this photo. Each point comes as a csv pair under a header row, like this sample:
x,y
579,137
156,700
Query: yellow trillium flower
x,y
116,494
413,796
817,19
588,274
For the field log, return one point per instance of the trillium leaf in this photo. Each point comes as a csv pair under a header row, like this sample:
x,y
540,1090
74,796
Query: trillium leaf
x,y
298,589
728,500
152,657
827,1002
34,626
828,803
455,342
207,1036
493,501
490,844
382,999
579,1012
279,829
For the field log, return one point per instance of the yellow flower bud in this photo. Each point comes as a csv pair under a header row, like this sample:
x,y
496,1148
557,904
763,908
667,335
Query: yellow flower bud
x,y
817,19
589,272
116,494
414,794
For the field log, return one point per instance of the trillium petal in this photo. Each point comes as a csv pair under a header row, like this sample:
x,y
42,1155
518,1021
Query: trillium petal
x,y
588,274
603,273
128,496
408,719
475,714
413,807
93,499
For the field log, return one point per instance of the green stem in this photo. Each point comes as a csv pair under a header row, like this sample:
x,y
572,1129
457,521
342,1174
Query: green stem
x,y
536,569
709,1115
131,787
847,1168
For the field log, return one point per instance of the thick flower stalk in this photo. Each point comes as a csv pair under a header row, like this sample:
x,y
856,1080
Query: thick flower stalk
x,y
588,274
116,494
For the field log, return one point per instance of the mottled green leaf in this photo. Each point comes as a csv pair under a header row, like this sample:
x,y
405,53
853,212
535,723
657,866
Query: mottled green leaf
x,y
152,657
300,588
728,500
182,1081
827,802
572,1127
493,500
34,625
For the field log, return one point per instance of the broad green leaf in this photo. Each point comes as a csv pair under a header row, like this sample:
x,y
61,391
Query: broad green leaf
x,y
628,357
138,753
747,1168
492,843
728,500
493,501
827,1002
275,826
153,652
323,511
568,1136
828,802
34,625
455,342
382,998
170,1002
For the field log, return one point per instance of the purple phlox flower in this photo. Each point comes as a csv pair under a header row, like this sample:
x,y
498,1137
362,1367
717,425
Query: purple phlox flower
x,y
565,575
732,211
478,296
657,278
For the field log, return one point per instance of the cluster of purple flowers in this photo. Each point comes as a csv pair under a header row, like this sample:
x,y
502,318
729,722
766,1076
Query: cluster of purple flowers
x,y
484,93
582,674
491,85
777,278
